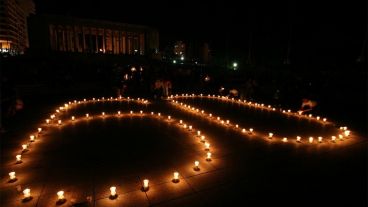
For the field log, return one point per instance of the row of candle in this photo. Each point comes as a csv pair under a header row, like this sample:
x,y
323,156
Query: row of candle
x,y
61,198
345,133
262,106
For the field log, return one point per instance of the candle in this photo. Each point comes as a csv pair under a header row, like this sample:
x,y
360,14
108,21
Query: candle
x,y
237,126
270,135
203,138
222,122
176,177
152,113
19,158
341,137
243,130
87,115
218,118
169,117
73,118
284,139
103,113
202,111
12,176
59,122
32,138
198,133
27,193
310,115
310,139
319,139
208,158
113,193
52,116
185,126
181,121
227,121
141,111
60,195
39,129
57,111
119,113
47,121
159,114
131,112
324,119
251,130
24,147
298,138
145,184
318,117
196,165
190,127
207,146
210,115
333,138
347,133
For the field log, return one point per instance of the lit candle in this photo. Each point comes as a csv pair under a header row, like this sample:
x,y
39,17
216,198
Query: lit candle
x,y
298,138
243,130
181,121
47,121
208,158
198,133
300,112
113,191
145,184
251,130
119,113
159,114
73,118
347,133
57,111
270,135
310,115
207,145
203,138
237,126
284,139
32,138
333,138
310,139
185,126
131,112
210,115
222,122
196,165
319,139
103,113
52,116
218,118
202,112
27,193
39,129
289,111
190,127
19,158
227,121
60,195
152,113
318,117
141,111
12,176
24,147
324,119
341,137
176,177
87,115
59,122
169,117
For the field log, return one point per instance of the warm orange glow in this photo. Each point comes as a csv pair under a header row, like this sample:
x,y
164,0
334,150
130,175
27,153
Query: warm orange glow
x,y
19,158
27,193
39,129
203,138
319,139
59,122
298,138
145,184
113,191
73,118
60,195
12,176
270,135
310,139
198,133
176,177
32,138
47,121
284,139
24,147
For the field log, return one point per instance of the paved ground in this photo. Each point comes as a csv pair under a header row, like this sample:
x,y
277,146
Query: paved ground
x,y
85,157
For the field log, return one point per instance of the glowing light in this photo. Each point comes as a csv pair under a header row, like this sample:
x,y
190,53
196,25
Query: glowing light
x,y
24,147
347,133
119,113
27,193
152,113
208,158
237,126
218,118
243,130
333,138
270,135
32,138
131,112
169,117
207,145
190,127
145,184
47,121
203,138
185,126
52,116
251,130
60,195
298,138
113,191
324,119
103,113
341,137
87,116
227,121
39,130
222,122
59,122
141,112
176,177
319,139
19,158
284,139
57,111
12,176
196,165
210,115
198,133
310,139
73,118
181,121
318,117
310,115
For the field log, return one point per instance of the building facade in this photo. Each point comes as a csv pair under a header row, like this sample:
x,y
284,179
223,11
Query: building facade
x,y
69,34
13,25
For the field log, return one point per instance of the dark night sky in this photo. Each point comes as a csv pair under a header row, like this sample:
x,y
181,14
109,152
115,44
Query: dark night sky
x,y
320,31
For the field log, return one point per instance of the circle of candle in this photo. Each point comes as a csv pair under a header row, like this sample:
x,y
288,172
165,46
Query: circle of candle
x,y
73,118
59,122
196,165
207,145
208,158
60,195
47,121
12,176
176,177
24,147
284,139
39,129
113,193
19,158
32,138
319,139
310,139
298,138
27,193
145,185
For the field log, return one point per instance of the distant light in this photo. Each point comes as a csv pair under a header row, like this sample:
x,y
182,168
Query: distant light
x,y
133,69
182,58
174,61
